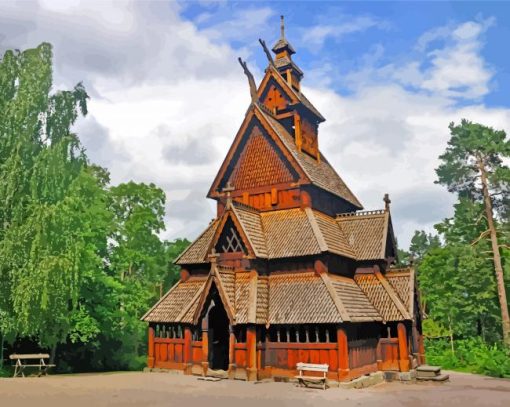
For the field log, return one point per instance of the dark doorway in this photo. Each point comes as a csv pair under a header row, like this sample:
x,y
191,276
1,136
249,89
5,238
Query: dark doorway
x,y
218,333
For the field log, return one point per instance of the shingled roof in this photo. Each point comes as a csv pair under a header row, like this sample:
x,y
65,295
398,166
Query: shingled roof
x,y
179,303
280,298
300,232
367,232
403,282
320,172
382,295
198,250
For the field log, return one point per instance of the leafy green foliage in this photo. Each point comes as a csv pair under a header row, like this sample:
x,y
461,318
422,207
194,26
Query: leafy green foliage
x,y
80,261
470,143
470,355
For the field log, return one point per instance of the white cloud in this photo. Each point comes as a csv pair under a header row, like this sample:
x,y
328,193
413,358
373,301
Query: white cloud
x,y
159,85
386,135
448,63
315,37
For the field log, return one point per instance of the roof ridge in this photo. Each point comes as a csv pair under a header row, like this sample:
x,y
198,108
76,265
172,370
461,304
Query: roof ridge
x,y
393,295
243,230
209,226
223,293
336,299
323,246
373,212
244,206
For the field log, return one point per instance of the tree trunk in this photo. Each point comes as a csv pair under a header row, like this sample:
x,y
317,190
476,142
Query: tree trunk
x,y
1,351
53,353
505,318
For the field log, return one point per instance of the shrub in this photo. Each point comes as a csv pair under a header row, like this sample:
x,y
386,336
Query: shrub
x,y
470,355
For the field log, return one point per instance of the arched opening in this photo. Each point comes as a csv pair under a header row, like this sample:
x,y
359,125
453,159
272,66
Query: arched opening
x,y
218,332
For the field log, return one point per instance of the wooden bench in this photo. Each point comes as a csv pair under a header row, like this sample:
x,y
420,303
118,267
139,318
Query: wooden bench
x,y
310,367
21,363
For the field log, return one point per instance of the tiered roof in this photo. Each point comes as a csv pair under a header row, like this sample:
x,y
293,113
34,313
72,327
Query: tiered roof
x,y
300,232
290,298
265,156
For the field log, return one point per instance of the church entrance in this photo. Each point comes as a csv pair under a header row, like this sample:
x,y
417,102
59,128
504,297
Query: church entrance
x,y
218,333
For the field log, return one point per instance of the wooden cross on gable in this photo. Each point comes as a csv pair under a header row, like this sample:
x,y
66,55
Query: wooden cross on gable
x,y
227,190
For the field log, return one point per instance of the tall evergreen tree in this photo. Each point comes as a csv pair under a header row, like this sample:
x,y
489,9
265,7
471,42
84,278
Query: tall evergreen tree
x,y
473,166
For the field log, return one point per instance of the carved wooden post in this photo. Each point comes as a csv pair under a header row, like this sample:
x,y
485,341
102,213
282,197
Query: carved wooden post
x,y
402,348
343,354
251,352
231,353
205,347
267,355
188,362
150,358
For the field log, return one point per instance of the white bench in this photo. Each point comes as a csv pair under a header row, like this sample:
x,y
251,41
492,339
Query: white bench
x,y
21,363
311,367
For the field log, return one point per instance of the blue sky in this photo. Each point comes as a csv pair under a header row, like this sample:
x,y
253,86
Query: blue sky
x,y
168,95
387,31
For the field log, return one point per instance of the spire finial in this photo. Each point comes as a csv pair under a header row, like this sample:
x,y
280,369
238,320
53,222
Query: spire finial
x,y
387,202
282,27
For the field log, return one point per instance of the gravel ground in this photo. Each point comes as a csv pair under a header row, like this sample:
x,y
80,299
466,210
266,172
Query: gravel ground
x,y
162,389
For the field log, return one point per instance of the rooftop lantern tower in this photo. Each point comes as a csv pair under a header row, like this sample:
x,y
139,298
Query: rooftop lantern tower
x,y
283,62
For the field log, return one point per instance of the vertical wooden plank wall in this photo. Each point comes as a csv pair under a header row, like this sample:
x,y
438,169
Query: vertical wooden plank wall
x,y
150,357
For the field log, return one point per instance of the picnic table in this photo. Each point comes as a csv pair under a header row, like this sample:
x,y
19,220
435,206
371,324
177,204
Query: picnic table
x,y
21,363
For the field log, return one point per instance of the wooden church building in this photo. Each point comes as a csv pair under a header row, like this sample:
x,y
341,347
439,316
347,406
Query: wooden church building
x,y
292,269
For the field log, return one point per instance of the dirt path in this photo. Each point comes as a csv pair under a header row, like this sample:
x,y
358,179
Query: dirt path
x,y
160,389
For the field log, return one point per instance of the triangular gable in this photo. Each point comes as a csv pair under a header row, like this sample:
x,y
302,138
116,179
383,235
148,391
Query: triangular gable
x,y
200,301
258,162
214,278
293,95
286,162
272,94
224,240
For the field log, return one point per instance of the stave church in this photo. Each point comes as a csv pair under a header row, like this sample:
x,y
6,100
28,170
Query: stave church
x,y
292,269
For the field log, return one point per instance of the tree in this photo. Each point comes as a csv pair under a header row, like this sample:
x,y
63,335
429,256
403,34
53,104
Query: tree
x,y
473,166
41,212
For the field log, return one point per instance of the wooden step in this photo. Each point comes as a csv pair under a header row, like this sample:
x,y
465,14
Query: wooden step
x,y
427,374
427,368
438,378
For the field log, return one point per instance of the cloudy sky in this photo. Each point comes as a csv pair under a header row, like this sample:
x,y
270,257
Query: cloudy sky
x,y
167,94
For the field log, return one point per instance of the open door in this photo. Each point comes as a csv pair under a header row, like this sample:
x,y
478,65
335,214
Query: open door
x,y
218,332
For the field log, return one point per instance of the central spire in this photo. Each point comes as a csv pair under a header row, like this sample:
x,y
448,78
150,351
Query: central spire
x,y
283,61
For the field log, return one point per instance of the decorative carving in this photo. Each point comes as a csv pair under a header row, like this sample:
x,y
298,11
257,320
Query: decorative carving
x,y
251,81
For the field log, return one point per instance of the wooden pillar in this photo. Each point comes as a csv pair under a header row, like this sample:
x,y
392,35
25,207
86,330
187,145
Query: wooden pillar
x,y
150,356
267,354
403,361
231,353
378,353
205,347
251,352
343,354
188,362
